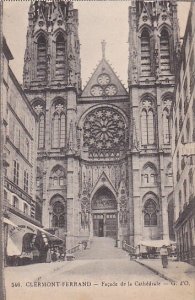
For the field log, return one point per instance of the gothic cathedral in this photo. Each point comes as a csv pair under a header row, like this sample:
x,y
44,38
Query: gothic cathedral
x,y
104,152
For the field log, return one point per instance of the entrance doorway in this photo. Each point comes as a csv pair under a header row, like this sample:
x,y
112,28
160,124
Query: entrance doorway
x,y
104,213
105,225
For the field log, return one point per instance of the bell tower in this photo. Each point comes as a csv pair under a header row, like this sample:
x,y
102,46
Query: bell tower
x,y
153,47
52,56
52,83
153,41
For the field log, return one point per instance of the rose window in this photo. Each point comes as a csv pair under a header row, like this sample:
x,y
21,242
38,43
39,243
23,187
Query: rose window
x,y
104,128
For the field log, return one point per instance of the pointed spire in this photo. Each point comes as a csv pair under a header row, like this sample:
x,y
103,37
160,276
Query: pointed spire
x,y
103,48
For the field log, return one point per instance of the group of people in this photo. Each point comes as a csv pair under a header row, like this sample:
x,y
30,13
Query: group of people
x,y
55,254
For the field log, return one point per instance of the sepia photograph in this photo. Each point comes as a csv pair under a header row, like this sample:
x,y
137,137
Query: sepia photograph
x,y
97,149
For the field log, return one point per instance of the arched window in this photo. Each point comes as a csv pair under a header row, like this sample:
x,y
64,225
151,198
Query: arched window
x,y
149,175
145,53
150,213
41,131
62,130
55,131
147,123
166,127
60,55
150,127
59,132
41,57
59,212
57,177
39,108
165,51
144,129
59,126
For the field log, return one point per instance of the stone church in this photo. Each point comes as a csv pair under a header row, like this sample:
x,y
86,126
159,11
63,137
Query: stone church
x,y
104,152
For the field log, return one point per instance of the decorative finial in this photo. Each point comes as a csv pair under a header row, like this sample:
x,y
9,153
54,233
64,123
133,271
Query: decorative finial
x,y
103,48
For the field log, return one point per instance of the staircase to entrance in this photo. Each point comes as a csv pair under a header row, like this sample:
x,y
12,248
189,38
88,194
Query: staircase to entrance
x,y
101,248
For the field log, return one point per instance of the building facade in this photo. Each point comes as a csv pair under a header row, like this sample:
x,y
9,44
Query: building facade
x,y
183,145
19,152
103,160
20,143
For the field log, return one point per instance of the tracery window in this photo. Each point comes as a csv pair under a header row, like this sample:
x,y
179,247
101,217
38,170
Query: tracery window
x,y
149,175
41,134
59,126
165,51
147,123
104,131
145,53
59,214
60,55
57,177
41,57
150,213
39,109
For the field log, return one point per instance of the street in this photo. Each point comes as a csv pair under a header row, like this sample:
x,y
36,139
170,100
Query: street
x,y
102,268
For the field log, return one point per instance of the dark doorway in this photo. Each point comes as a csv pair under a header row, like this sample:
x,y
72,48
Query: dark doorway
x,y
101,228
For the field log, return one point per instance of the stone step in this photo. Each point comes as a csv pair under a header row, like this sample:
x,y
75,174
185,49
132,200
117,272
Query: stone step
x,y
101,248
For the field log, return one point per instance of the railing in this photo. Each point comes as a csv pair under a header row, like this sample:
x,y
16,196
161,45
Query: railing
x,y
80,246
128,248
74,249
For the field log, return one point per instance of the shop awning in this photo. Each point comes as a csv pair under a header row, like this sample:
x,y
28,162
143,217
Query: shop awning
x,y
9,222
48,234
156,243
17,232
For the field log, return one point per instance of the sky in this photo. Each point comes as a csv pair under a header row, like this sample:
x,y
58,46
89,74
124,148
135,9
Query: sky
x,y
98,20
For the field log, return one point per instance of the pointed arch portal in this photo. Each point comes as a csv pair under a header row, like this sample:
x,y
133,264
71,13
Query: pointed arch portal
x,y
104,213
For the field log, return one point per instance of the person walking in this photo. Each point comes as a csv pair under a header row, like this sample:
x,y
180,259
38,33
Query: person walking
x,y
164,256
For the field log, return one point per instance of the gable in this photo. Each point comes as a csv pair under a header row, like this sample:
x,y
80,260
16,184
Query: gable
x,y
104,83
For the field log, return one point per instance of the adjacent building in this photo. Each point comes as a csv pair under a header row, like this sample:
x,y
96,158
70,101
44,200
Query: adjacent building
x,y
19,159
183,145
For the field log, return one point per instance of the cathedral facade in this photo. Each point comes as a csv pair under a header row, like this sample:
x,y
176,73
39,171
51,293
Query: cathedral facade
x,y
104,152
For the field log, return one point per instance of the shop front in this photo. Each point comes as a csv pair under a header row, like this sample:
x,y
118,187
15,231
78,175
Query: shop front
x,y
27,243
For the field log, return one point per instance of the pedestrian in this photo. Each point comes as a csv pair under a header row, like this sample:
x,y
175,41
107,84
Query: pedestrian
x,y
164,256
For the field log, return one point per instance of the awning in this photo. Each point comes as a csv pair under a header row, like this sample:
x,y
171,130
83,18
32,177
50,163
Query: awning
x,y
156,243
16,234
48,234
7,221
